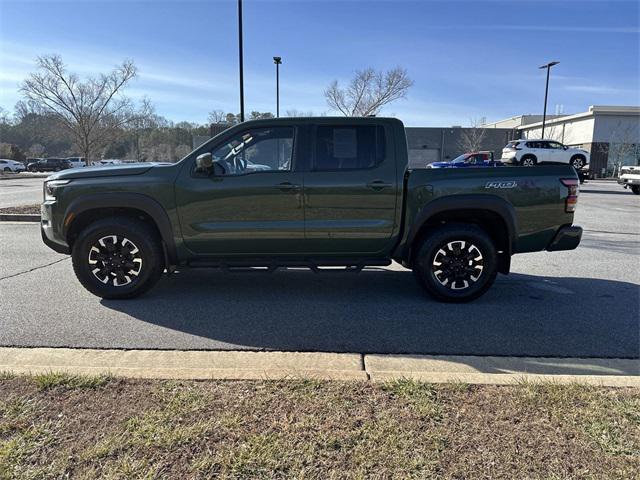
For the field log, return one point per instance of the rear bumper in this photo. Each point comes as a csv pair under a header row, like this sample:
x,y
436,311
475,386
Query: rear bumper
x,y
629,181
567,238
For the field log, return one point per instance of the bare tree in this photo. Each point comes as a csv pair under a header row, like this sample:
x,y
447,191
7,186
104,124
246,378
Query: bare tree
x,y
36,150
145,119
254,115
471,138
294,112
182,151
623,147
217,116
554,132
91,109
4,117
368,92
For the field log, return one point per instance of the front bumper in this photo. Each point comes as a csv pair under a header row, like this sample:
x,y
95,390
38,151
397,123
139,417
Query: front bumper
x,y
48,233
567,238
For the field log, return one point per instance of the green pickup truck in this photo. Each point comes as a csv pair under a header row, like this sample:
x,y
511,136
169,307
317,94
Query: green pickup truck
x,y
311,192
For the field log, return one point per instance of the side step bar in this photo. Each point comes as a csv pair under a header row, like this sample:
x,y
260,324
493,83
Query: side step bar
x,y
271,265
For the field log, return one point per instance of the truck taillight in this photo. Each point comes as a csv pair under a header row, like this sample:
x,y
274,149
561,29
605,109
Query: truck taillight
x,y
573,187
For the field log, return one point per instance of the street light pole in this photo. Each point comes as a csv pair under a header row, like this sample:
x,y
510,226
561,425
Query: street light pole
x,y
546,93
240,60
277,61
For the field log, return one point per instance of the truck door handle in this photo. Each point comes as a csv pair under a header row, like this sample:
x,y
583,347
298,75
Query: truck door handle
x,y
378,185
287,187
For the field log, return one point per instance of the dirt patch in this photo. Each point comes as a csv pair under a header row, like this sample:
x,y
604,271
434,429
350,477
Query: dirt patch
x,y
23,209
105,427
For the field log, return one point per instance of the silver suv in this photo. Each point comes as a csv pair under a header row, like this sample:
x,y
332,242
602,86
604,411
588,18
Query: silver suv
x,y
531,152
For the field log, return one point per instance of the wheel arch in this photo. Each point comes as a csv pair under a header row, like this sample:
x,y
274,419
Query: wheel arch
x,y
83,210
491,213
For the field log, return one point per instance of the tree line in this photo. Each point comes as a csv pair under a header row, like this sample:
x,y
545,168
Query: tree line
x,y
64,115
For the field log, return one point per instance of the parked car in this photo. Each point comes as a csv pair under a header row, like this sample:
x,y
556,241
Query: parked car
x,y
11,166
630,178
337,193
469,159
49,165
76,162
532,152
108,161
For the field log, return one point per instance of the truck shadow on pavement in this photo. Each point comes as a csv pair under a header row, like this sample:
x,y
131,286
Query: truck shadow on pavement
x,y
385,311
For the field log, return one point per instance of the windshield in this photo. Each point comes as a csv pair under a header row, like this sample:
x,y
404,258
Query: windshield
x,y
460,159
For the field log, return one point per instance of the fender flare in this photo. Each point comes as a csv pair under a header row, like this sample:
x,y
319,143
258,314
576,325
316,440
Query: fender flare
x,y
137,201
452,203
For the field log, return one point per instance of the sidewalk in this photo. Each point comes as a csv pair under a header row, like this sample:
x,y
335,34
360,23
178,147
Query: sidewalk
x,y
240,365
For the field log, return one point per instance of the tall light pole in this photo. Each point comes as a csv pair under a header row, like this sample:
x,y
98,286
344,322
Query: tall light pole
x,y
278,62
240,60
546,93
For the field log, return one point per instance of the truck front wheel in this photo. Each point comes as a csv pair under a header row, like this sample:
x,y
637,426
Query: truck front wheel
x,y
118,258
456,263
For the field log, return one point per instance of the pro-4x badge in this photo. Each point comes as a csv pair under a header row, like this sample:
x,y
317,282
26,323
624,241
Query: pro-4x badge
x,y
511,184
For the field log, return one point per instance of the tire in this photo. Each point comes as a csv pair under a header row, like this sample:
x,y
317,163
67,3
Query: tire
x,y
635,189
7,170
124,268
446,285
577,162
528,161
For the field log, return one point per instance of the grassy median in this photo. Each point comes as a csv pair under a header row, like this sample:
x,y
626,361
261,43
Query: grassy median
x,y
54,426
22,210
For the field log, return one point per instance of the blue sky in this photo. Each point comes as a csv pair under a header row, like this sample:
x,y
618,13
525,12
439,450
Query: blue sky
x,y
468,59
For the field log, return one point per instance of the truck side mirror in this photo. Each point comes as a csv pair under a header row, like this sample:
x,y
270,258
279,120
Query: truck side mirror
x,y
204,162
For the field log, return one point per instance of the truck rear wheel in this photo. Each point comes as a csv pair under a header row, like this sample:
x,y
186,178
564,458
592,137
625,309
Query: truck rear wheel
x,y
635,189
118,258
456,263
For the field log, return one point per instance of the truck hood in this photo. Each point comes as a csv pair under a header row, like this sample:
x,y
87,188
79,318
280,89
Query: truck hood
x,y
104,171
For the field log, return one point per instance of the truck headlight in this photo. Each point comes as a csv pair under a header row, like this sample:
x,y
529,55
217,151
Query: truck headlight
x,y
51,187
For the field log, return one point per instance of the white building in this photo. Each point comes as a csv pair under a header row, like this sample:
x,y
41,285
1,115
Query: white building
x,y
610,133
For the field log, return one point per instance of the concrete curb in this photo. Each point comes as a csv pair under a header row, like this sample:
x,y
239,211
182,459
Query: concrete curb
x,y
174,364
19,217
504,370
18,176
249,365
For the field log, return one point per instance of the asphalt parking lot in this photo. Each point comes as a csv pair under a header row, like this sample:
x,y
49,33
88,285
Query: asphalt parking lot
x,y
582,303
24,189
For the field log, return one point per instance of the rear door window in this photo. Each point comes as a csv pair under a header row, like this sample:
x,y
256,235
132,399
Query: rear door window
x,y
348,148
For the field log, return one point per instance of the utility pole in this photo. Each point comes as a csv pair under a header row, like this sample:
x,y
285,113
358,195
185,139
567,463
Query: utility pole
x,y
546,93
277,61
240,60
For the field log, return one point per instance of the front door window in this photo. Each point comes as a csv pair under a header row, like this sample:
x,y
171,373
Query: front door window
x,y
256,150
